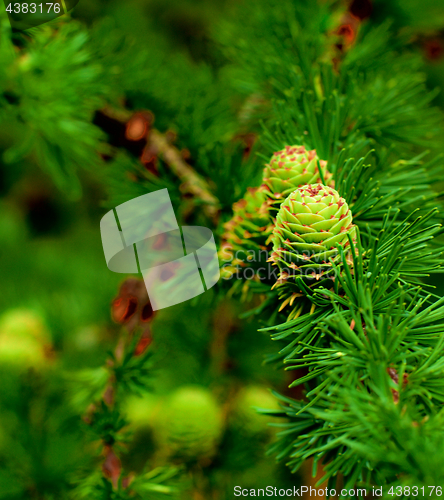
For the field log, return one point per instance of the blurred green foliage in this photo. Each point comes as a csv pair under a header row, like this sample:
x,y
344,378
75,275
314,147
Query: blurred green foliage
x,y
172,57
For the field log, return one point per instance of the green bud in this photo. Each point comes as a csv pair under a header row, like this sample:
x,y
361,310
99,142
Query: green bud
x,y
244,415
140,410
310,223
189,424
246,234
24,340
291,168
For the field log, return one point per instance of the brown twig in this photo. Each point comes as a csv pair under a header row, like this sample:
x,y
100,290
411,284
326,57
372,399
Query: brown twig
x,y
133,311
192,183
159,145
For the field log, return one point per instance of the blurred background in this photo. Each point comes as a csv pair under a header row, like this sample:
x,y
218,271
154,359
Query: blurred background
x,y
62,311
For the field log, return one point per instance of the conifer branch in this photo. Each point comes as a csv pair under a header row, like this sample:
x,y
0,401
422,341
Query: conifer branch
x,y
129,368
159,145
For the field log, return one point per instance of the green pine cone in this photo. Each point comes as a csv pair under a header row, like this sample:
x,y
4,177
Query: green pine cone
x,y
290,168
24,323
244,416
141,410
24,340
189,424
309,225
245,240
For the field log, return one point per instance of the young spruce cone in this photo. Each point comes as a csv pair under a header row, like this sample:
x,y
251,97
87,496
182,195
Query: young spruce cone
x,y
309,225
189,424
245,418
25,341
290,168
246,234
